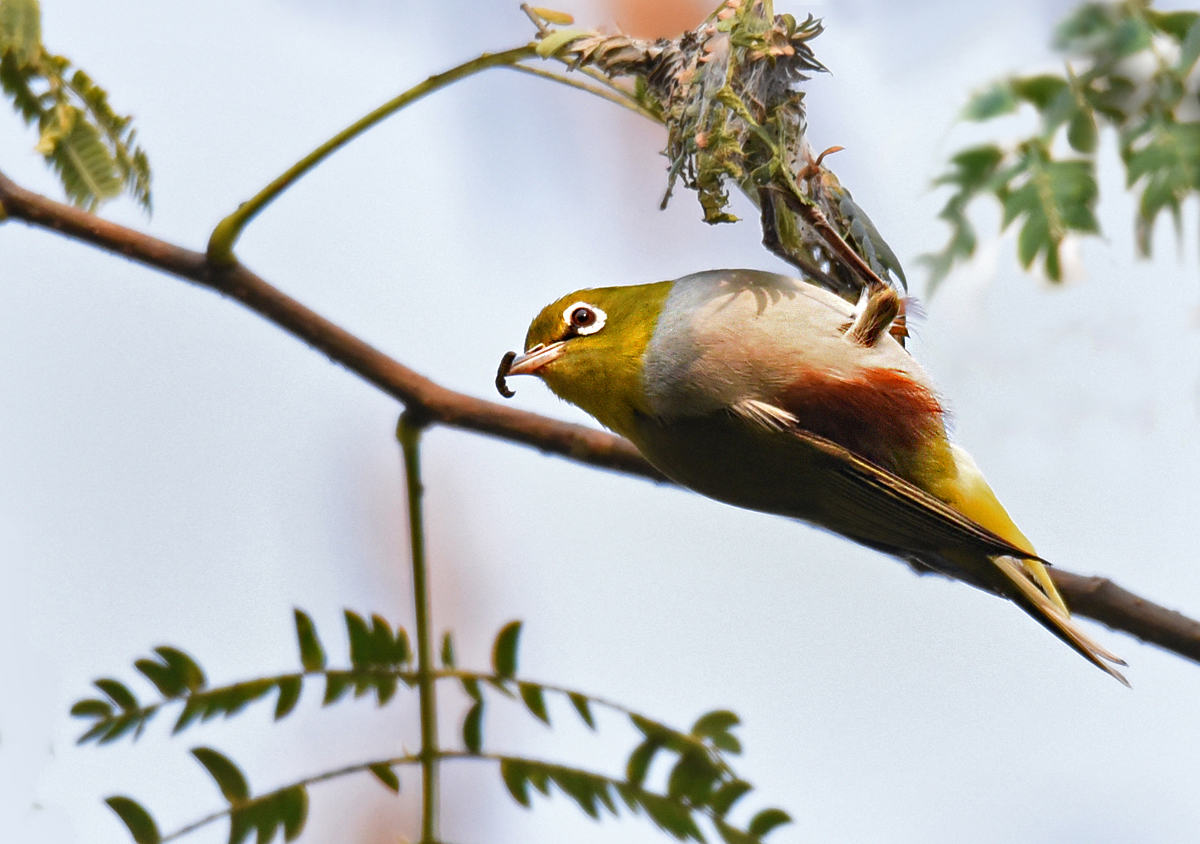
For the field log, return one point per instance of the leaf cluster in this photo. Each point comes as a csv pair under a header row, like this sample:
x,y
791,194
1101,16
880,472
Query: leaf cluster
x,y
284,809
728,93
91,147
1128,67
701,787
701,784
380,658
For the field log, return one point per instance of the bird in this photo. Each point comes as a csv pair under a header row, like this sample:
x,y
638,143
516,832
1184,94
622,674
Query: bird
x,y
774,394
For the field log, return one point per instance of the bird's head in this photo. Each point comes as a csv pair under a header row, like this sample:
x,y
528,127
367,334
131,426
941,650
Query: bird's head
x,y
588,347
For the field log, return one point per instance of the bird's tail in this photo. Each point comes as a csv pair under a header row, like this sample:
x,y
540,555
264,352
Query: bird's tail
x,y
1047,607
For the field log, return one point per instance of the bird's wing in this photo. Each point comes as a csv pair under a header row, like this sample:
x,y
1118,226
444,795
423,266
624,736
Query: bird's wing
x,y
894,516
883,503
894,504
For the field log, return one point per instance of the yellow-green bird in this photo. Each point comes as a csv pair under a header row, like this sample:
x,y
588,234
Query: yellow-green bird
x,y
773,394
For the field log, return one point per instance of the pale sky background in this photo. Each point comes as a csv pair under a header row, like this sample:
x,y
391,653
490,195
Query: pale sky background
x,y
175,470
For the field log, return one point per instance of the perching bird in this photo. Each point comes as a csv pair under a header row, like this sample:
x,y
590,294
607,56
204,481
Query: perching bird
x,y
773,394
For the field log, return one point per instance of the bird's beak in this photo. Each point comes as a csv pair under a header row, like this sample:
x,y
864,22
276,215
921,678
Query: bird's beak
x,y
530,363
533,360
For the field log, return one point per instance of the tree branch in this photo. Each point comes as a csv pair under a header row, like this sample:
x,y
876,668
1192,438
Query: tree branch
x,y
1092,597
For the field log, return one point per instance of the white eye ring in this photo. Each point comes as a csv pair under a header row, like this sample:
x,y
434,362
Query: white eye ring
x,y
584,319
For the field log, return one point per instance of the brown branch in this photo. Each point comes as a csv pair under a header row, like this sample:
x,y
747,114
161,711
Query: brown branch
x,y
1093,597
419,394
1099,599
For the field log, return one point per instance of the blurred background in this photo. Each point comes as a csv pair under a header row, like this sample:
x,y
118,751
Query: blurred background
x,y
176,470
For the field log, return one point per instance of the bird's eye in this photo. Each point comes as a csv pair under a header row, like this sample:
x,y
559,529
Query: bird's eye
x,y
582,318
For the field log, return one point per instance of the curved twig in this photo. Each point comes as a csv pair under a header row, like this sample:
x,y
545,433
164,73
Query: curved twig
x,y
227,232
1091,597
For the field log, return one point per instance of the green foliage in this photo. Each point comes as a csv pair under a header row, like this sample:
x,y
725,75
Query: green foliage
x,y
285,809
384,773
225,774
728,95
380,658
1128,68
137,820
504,651
89,146
447,653
312,655
700,786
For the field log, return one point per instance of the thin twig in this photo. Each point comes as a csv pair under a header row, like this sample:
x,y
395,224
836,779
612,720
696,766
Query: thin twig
x,y
615,95
304,783
1115,607
226,233
408,432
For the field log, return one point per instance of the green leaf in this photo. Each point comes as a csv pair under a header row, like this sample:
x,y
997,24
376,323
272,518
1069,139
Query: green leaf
x,y
471,687
728,794
168,683
1168,167
289,693
992,102
401,650
694,777
385,687
716,726
670,816
192,710
714,723
1039,91
230,700
504,652
182,665
732,835
587,790
1132,36
514,774
580,702
336,684
1112,96
312,655
118,693
1033,239
473,729
95,731
535,700
384,773
558,39
21,30
640,759
18,84
1106,32
293,811
119,727
137,820
84,164
1176,24
225,773
767,820
1189,51
287,809
92,708
1081,131
973,168
447,651
362,653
